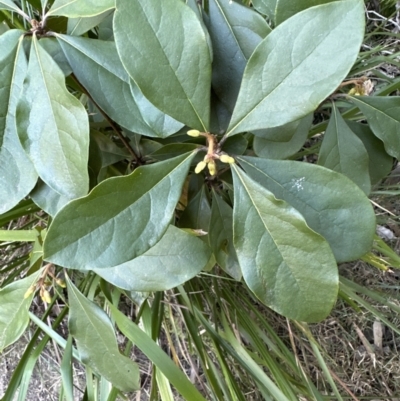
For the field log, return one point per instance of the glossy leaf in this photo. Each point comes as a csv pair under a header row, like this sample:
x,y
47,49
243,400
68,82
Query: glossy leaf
x,y
48,199
97,344
344,152
166,69
380,163
17,174
383,116
235,31
332,204
298,65
220,235
175,259
98,68
80,8
282,142
120,219
285,9
14,309
286,264
53,126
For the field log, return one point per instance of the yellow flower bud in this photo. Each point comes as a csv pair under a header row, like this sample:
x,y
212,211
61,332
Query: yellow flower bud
x,y
61,283
227,159
46,297
29,291
194,132
212,168
200,167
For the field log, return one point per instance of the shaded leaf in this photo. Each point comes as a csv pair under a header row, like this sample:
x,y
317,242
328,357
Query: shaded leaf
x,y
79,26
344,152
48,199
235,145
9,5
220,234
53,126
298,65
120,219
80,8
287,265
175,259
380,163
164,68
235,32
284,9
332,204
98,68
158,121
282,142
97,343
14,309
266,7
383,115
197,213
17,174
172,150
54,49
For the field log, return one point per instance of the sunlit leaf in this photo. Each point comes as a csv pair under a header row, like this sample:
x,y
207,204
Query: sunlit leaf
x,y
344,152
17,174
298,65
332,204
80,8
165,69
176,258
14,308
97,344
383,116
120,219
79,26
53,126
285,263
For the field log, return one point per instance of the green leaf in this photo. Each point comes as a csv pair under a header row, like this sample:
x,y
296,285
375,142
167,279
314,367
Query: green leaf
x,y
266,7
220,233
162,124
17,174
380,163
79,26
235,32
66,371
175,259
157,356
383,115
18,235
197,213
54,49
9,5
332,205
97,343
120,219
344,152
80,8
53,126
287,265
286,8
98,68
48,199
14,309
298,65
172,150
165,69
282,142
